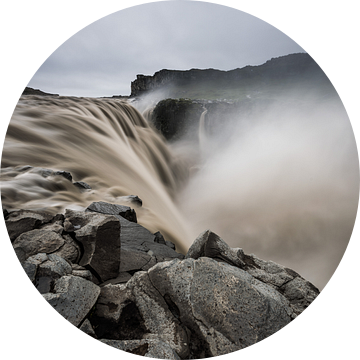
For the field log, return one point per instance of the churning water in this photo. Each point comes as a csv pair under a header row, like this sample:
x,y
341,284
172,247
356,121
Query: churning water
x,y
283,186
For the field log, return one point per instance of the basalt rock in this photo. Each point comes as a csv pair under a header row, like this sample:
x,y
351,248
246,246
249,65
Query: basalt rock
x,y
151,300
100,238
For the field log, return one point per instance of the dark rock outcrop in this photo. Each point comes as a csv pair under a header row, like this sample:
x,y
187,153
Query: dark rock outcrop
x,y
99,236
31,91
196,83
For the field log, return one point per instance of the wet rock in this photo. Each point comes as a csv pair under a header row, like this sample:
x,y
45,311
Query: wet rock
x,y
73,297
82,186
133,199
159,238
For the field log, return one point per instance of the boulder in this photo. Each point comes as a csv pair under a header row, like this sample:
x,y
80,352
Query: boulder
x,y
288,282
20,221
137,311
100,238
37,241
199,307
224,307
211,245
87,328
133,199
139,249
113,209
73,297
82,186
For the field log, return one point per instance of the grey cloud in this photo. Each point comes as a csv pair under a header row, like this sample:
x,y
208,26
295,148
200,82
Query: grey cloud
x,y
103,58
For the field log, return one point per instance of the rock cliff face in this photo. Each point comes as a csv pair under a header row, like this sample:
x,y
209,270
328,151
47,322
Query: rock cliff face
x,y
130,289
177,83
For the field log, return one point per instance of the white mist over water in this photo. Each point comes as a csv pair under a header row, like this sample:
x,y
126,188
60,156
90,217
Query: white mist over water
x,y
282,184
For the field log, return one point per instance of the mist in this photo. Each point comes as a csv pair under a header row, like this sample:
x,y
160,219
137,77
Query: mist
x,y
281,183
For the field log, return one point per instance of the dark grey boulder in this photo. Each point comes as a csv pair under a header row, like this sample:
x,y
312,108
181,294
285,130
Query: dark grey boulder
x,y
87,328
70,251
200,308
113,209
82,186
73,297
20,221
211,245
30,265
296,289
133,199
100,238
37,241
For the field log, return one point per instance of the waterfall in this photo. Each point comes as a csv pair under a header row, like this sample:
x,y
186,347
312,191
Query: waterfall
x,y
106,143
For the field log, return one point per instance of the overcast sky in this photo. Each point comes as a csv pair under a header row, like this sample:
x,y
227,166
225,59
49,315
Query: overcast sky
x,y
103,58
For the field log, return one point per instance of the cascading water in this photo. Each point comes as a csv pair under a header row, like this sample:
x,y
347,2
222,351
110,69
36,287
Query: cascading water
x,y
282,183
105,143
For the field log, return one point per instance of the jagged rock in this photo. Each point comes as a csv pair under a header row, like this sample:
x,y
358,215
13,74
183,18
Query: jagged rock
x,y
137,311
139,251
86,274
82,186
148,347
30,265
211,245
133,199
222,304
113,209
122,278
70,251
200,308
64,174
100,237
49,270
37,241
203,307
20,221
159,238
73,297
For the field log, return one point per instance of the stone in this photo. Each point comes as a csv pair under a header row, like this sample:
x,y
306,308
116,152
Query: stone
x,y
224,307
113,209
152,348
86,274
211,245
87,328
30,265
70,251
136,311
133,199
73,298
199,307
20,221
122,278
37,241
300,292
100,238
82,186
49,270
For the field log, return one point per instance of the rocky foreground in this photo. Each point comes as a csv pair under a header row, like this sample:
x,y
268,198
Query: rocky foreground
x,y
130,289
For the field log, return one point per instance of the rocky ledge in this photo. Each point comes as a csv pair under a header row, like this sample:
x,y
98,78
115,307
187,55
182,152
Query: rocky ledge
x,y
130,289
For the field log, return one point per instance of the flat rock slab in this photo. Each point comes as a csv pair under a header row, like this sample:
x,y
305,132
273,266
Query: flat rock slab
x,y
113,209
73,297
